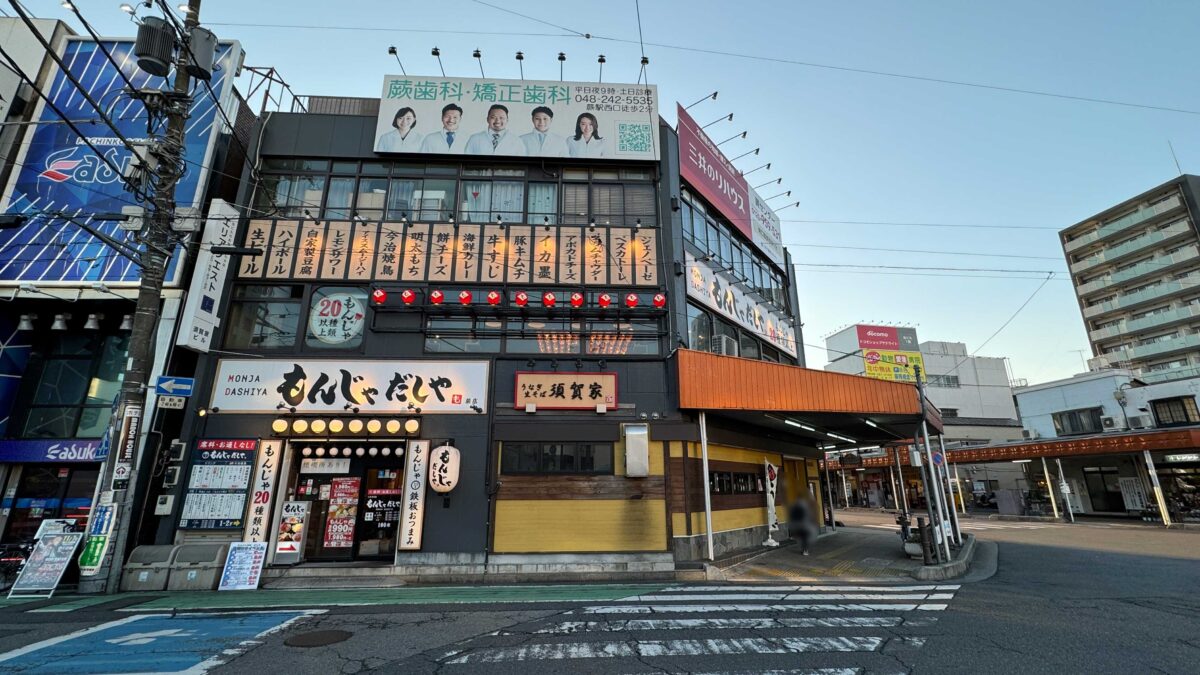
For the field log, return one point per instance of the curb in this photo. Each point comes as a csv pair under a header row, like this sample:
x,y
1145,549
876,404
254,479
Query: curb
x,y
952,569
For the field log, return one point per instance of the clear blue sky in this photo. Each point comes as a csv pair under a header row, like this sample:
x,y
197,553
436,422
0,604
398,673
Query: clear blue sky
x,y
851,146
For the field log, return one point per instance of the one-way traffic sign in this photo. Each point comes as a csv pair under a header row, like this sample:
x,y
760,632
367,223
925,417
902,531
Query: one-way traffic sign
x,y
169,385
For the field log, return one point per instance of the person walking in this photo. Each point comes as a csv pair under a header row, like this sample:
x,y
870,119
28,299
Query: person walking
x,y
800,522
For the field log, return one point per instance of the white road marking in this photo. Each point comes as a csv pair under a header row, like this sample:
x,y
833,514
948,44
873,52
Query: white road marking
x,y
787,596
794,589
696,609
764,623
651,648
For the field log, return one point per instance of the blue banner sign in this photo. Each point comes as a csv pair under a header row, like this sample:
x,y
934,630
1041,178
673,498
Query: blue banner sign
x,y
57,174
50,450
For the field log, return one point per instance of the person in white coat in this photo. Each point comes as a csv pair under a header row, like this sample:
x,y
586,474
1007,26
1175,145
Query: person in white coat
x,y
587,142
401,138
446,141
496,139
541,142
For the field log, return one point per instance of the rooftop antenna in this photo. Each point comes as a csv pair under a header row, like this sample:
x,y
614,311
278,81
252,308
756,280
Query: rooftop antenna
x,y
1177,167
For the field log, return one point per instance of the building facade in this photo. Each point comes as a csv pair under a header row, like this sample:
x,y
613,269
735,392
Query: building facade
x,y
1135,268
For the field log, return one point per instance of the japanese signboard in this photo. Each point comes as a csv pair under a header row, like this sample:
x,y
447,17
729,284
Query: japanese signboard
x,y
61,450
342,513
412,516
886,337
565,391
99,535
243,566
716,293
886,364
338,318
127,441
262,487
220,474
200,316
58,173
46,564
517,118
444,463
771,472
710,174
310,386
310,465
454,253
289,536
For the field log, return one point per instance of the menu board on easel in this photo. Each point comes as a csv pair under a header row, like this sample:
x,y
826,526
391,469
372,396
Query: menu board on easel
x,y
46,565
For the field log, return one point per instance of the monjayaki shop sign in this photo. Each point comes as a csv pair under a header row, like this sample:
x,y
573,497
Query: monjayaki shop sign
x,y
709,288
64,450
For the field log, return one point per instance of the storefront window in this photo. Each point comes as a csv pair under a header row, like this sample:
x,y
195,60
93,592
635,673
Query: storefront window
x,y
81,374
699,328
731,483
48,491
336,317
264,317
521,457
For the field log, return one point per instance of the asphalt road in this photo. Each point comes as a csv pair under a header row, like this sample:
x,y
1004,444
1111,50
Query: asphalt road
x,y
1062,599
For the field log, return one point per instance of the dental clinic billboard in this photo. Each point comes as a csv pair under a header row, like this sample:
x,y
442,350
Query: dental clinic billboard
x,y
709,173
58,174
517,118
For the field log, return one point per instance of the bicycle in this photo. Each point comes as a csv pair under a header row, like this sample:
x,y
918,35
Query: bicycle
x,y
12,561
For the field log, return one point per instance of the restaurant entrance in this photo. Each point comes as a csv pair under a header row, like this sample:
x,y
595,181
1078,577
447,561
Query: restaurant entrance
x,y
354,495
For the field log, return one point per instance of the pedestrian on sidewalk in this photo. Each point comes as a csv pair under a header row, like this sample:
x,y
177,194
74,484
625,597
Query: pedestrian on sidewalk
x,y
800,521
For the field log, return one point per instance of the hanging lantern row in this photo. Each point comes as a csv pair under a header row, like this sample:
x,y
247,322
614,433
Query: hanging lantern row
x,y
549,299
347,452
301,426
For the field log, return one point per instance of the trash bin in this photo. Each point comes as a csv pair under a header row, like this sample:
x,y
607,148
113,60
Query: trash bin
x,y
147,568
197,567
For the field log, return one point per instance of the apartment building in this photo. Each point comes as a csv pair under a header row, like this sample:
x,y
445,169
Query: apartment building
x,y
1136,271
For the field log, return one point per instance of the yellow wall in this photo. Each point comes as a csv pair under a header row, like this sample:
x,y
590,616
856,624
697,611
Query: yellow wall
x,y
580,525
731,519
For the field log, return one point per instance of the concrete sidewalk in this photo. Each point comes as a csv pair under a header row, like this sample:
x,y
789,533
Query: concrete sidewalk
x,y
849,554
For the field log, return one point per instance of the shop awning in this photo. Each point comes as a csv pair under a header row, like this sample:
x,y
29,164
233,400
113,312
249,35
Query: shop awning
x,y
808,404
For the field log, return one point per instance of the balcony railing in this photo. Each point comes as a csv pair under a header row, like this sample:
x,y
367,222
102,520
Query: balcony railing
x,y
1123,223
1142,242
1159,264
1165,289
1158,320
1154,376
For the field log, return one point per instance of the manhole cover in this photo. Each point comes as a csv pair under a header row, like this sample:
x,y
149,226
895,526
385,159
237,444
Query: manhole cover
x,y
318,638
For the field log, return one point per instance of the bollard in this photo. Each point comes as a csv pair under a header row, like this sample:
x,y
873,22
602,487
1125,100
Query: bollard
x,y
926,540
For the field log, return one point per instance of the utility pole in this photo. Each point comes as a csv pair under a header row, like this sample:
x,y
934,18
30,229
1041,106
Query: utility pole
x,y
121,470
933,494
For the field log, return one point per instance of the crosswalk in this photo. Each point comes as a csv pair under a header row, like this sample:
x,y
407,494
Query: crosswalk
x,y
722,629
971,525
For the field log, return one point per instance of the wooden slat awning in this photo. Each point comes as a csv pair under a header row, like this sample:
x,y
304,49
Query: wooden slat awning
x,y
715,382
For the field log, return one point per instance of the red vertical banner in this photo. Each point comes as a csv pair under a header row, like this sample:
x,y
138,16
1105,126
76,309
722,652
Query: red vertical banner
x,y
709,173
342,513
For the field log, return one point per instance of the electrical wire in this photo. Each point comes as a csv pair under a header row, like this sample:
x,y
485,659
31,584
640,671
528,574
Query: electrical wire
x,y
931,252
423,31
531,18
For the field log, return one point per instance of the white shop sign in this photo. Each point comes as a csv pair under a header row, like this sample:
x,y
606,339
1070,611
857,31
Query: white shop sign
x,y
334,386
730,302
325,465
412,514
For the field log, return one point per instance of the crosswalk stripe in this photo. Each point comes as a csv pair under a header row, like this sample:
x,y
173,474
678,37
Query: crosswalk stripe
x,y
763,623
695,609
795,589
788,596
653,648
797,671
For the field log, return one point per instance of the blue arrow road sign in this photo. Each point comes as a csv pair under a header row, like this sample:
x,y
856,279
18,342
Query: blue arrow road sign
x,y
169,385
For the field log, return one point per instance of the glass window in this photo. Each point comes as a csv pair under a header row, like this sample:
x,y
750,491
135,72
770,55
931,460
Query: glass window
x,y
531,457
400,202
543,203
371,194
1072,422
748,346
376,168
639,205
575,204
623,338
604,174
714,239
457,335
1175,411
476,201
699,328
538,336
341,191
80,376
290,195
264,317
726,253
608,203
725,338
345,167
575,174
739,260
436,199
636,174
337,316
508,201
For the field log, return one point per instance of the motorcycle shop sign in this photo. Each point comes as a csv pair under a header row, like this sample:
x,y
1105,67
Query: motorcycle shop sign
x,y
319,386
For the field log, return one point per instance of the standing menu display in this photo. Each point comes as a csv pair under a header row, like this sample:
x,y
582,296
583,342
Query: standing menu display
x,y
216,496
343,512
46,564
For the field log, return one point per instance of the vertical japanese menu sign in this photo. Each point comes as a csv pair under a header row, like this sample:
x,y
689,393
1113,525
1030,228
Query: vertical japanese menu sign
x,y
262,489
343,512
131,417
98,536
412,516
216,495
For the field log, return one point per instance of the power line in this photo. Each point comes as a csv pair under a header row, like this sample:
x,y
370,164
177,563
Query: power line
x,y
371,29
532,18
902,224
932,252
927,268
1003,325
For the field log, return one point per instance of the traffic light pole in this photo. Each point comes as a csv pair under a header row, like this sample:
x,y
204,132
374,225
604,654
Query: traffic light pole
x,y
121,471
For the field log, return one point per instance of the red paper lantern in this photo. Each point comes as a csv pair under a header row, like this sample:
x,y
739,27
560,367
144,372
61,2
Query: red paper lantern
x,y
660,300
493,298
408,296
604,300
436,297
577,299
631,300
379,296
548,299
522,298
464,297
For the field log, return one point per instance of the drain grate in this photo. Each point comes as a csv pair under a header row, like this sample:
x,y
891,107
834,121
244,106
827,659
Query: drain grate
x,y
318,638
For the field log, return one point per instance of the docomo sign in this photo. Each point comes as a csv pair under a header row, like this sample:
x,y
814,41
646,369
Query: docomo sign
x,y
444,463
705,168
878,337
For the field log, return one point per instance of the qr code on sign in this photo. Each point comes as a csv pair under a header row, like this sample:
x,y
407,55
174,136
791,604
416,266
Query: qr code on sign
x,y
633,137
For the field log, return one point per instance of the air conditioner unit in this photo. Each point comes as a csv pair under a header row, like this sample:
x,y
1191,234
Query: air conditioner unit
x,y
1030,434
1111,423
1141,422
723,344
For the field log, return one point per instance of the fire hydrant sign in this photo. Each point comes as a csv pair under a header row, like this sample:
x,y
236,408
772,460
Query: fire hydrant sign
x,y
343,513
